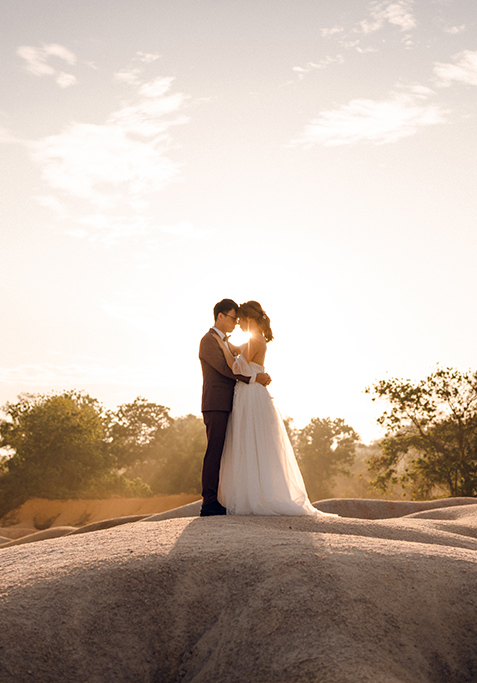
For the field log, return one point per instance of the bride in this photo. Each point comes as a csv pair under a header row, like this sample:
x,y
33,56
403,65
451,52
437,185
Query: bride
x,y
259,473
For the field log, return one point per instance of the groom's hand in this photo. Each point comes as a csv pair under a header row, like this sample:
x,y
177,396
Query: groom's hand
x,y
263,378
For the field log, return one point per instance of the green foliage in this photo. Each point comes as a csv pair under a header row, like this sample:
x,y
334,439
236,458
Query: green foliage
x,y
431,434
114,484
174,461
148,443
67,446
57,441
356,482
135,430
182,452
14,491
325,448
56,445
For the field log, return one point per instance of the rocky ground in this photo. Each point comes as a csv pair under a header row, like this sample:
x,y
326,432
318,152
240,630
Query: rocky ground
x,y
386,593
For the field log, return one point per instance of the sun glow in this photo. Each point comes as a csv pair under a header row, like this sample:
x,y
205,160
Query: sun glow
x,y
239,337
143,188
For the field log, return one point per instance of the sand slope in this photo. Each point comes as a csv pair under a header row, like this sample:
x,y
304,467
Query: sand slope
x,y
242,599
39,513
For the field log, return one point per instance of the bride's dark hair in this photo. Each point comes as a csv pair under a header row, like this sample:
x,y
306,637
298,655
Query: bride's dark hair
x,y
253,310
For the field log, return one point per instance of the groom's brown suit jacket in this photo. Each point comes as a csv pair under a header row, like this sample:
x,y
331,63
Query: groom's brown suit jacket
x,y
219,380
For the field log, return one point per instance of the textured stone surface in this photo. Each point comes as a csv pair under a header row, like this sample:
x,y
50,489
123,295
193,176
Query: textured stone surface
x,y
232,599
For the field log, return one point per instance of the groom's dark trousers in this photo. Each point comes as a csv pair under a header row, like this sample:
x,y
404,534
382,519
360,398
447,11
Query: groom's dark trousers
x,y
217,398
216,425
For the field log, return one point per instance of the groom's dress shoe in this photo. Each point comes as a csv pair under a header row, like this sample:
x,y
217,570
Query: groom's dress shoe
x,y
212,509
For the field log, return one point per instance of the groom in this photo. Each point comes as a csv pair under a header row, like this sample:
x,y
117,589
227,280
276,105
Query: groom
x,y
217,397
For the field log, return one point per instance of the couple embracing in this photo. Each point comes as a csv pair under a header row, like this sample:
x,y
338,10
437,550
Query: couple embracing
x,y
249,465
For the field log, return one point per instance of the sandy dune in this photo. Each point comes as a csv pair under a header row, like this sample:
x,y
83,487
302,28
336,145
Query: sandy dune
x,y
39,513
242,599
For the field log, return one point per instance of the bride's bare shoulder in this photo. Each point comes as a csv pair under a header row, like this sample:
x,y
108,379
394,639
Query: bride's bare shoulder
x,y
257,341
255,349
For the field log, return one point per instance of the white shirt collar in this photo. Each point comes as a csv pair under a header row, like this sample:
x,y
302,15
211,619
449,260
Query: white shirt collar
x,y
219,332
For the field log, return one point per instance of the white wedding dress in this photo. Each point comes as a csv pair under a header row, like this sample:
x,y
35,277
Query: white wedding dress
x,y
259,474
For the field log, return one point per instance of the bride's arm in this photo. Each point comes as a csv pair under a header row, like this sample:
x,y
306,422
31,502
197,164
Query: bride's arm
x,y
235,350
239,364
229,357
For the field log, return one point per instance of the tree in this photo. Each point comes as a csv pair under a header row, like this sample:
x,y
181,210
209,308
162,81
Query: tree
x,y
56,448
182,450
55,444
325,448
431,434
163,451
135,430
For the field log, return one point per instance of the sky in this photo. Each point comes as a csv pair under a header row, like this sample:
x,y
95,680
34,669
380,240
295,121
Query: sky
x,y
158,156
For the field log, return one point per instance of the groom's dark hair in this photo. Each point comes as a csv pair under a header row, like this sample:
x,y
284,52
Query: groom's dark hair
x,y
224,306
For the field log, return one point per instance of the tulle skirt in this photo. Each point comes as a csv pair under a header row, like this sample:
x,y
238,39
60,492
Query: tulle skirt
x,y
259,473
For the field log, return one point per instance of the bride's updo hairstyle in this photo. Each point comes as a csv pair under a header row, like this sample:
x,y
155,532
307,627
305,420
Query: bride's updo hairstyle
x,y
253,310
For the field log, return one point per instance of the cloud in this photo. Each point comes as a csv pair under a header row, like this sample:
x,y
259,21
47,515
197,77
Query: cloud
x,y
398,13
116,165
6,136
111,230
328,32
464,69
131,76
36,59
53,203
184,229
322,64
365,50
453,30
104,163
371,121
65,80
100,177
147,57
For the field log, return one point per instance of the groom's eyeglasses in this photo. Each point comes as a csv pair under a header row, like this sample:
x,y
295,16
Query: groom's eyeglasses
x,y
234,317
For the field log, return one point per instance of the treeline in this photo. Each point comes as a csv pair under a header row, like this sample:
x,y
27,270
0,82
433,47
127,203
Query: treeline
x,y
68,446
